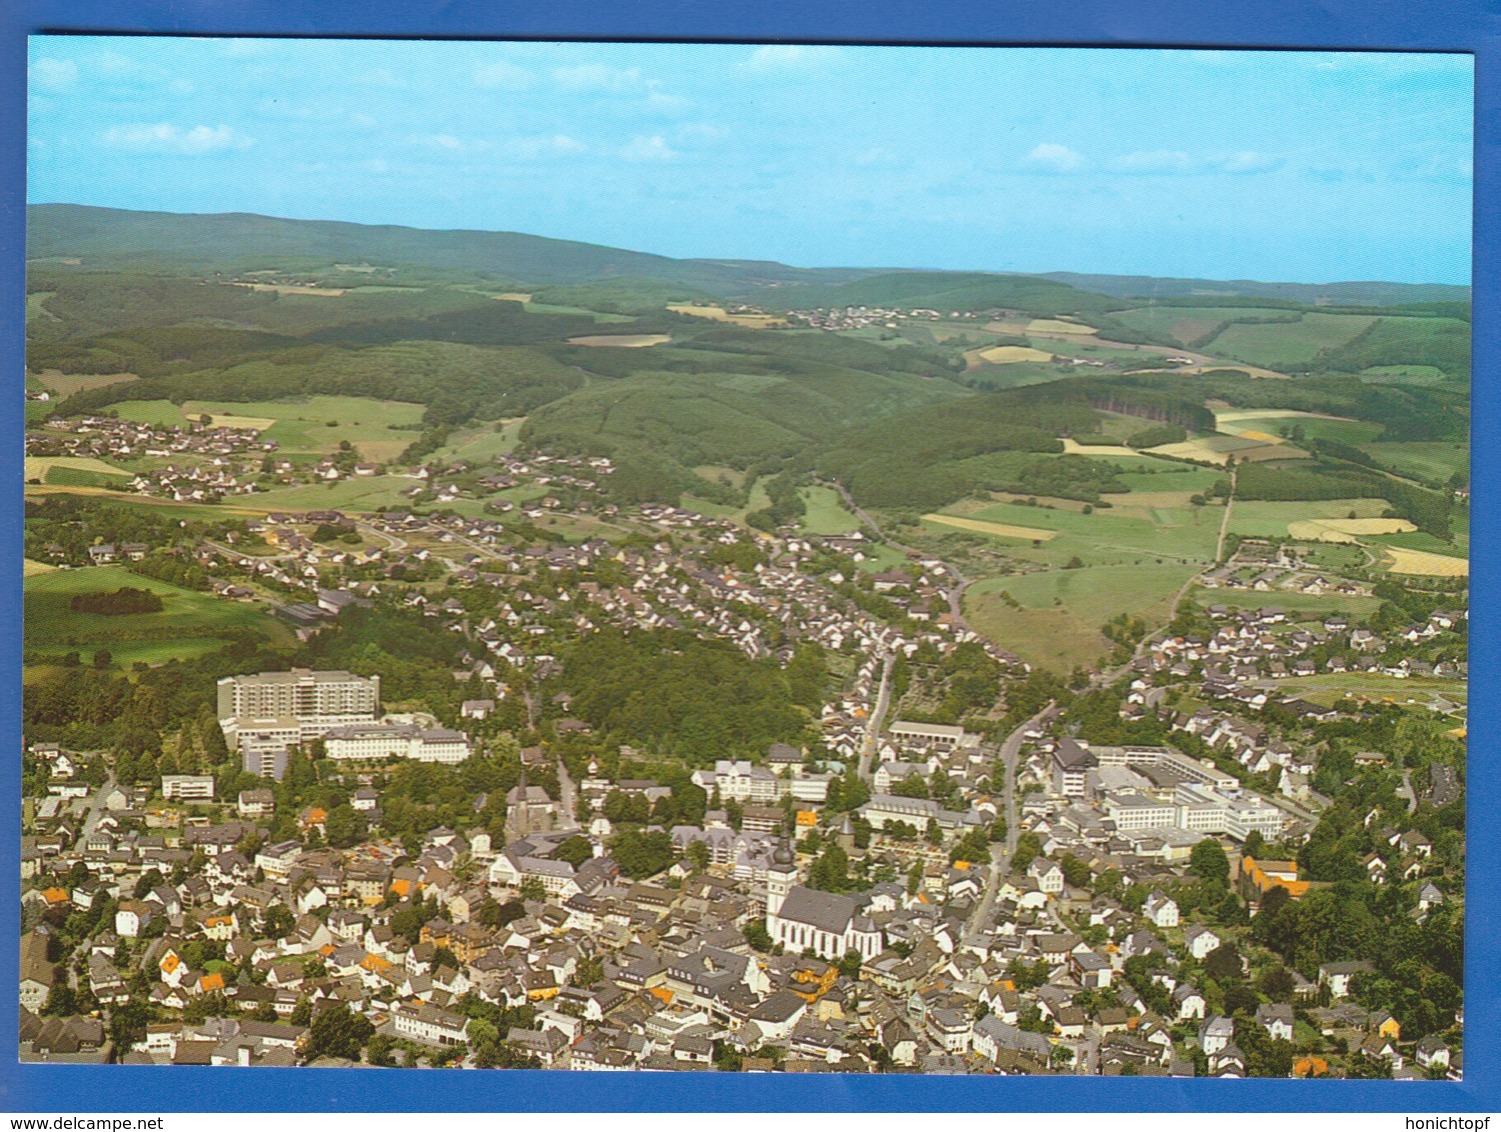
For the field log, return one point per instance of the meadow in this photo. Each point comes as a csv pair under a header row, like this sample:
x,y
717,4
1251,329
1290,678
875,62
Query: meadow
x,y
304,426
1287,345
184,627
1186,325
1058,626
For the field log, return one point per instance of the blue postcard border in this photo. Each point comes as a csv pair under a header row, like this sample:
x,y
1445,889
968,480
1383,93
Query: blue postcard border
x,y
1436,25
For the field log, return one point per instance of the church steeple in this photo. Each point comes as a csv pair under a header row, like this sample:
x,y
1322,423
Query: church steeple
x,y
780,876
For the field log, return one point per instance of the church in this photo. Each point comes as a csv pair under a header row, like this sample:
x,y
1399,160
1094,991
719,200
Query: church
x,y
829,924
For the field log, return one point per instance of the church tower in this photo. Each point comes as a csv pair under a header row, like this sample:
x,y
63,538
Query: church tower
x,y
780,878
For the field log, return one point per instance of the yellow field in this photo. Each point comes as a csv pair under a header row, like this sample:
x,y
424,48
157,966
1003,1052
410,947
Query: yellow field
x,y
1430,565
1345,530
626,341
719,314
513,297
1057,326
1003,327
1072,447
1005,355
1005,530
29,567
37,467
1224,417
1254,434
67,384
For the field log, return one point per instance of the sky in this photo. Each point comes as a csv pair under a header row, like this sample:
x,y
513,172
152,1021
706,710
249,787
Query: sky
x,y
1286,166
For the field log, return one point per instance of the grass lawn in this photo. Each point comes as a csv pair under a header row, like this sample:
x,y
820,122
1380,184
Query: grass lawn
x,y
188,619
1357,433
827,514
1188,324
1058,626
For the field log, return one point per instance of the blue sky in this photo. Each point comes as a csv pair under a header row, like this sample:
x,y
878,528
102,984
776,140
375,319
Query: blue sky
x,y
1220,164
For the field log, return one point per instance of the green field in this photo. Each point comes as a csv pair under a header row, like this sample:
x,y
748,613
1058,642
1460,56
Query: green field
x,y
1326,688
379,430
183,627
359,493
1432,460
1058,626
1356,433
481,445
1118,536
1309,606
826,513
1189,324
1287,345
1262,519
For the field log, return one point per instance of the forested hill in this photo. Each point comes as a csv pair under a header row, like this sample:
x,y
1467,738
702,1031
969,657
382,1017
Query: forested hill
x,y
170,243
1311,294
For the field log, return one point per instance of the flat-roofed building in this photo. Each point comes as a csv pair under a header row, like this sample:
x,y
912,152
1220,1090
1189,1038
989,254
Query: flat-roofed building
x,y
312,701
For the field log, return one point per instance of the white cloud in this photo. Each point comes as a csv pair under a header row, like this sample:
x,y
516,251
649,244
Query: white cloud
x,y
789,56
654,148
1154,161
597,76
451,143
1177,163
1050,157
503,75
165,138
54,74
545,145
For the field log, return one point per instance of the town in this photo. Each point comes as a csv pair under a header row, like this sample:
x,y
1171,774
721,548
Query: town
x,y
449,858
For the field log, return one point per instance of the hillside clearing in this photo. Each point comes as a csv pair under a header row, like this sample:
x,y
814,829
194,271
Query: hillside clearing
x,y
623,341
1345,530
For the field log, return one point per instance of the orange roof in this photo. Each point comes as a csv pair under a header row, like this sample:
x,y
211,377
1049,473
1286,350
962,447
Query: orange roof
x,y
211,982
169,964
327,949
374,963
807,817
662,993
55,895
317,815
961,864
1308,1066
401,886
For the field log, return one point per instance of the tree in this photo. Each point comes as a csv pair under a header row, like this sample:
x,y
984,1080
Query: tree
x,y
1223,963
532,888
642,854
697,855
757,936
102,658
576,850
379,1050
850,964
1209,863
338,1031
60,1001
830,871
1028,849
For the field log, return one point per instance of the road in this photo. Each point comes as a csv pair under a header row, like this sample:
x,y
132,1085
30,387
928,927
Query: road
x,y
1000,853
567,798
96,804
877,718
